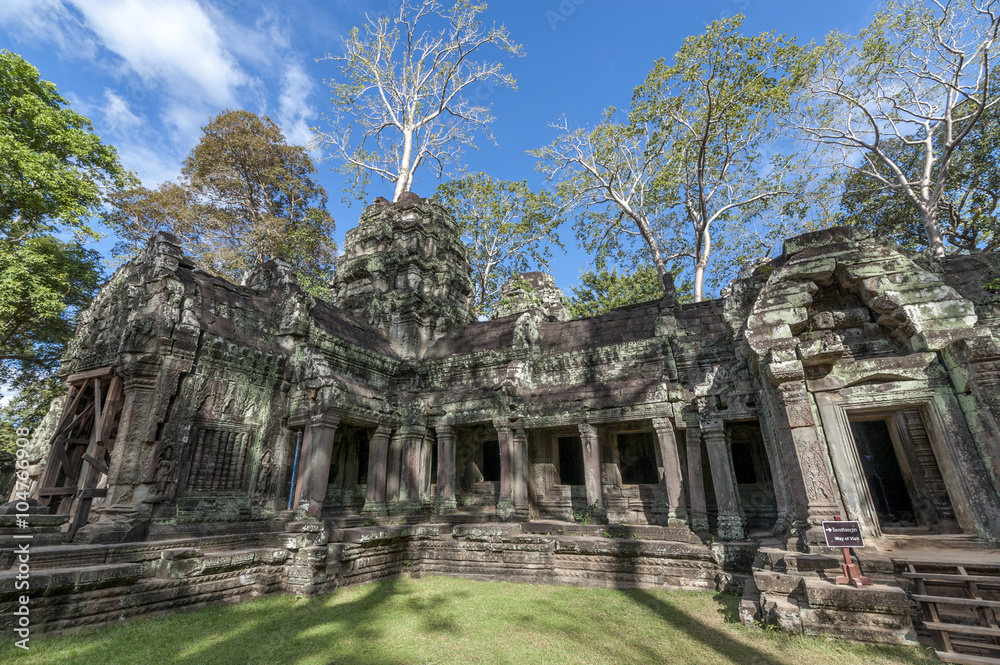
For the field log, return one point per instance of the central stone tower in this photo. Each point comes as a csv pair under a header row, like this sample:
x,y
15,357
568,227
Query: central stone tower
x,y
406,272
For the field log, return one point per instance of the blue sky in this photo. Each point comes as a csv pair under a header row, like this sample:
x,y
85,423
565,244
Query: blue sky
x,y
151,74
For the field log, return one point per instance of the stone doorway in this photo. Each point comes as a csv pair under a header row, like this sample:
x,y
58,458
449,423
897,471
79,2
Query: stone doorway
x,y
753,475
906,490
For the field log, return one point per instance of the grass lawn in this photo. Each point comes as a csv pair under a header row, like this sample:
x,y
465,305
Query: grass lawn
x,y
444,620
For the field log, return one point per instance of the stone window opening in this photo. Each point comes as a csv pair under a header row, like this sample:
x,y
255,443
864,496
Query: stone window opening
x,y
293,451
490,467
363,448
434,461
637,458
570,460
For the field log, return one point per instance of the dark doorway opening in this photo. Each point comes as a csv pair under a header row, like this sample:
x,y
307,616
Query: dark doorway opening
x,y
753,474
570,460
491,461
363,443
434,462
886,485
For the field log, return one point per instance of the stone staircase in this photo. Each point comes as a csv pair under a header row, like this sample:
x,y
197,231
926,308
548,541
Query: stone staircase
x,y
795,592
960,610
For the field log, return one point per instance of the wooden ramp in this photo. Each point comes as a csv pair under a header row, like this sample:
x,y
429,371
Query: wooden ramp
x,y
961,611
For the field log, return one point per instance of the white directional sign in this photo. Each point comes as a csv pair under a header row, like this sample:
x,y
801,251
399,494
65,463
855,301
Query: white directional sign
x,y
843,534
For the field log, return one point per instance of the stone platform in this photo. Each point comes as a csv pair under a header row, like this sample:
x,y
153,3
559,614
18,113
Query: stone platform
x,y
73,586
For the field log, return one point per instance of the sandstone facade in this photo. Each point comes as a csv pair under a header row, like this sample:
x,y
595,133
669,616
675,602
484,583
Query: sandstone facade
x,y
212,429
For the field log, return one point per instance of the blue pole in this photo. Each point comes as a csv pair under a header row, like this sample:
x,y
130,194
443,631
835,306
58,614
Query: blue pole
x,y
295,465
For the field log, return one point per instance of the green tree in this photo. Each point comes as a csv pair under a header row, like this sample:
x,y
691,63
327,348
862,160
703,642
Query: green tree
x,y
718,108
54,170
411,91
244,197
689,160
54,175
26,409
507,228
897,104
602,290
966,215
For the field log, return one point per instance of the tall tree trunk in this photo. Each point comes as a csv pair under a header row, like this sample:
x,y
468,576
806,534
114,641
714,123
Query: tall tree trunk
x,y
701,262
404,165
935,241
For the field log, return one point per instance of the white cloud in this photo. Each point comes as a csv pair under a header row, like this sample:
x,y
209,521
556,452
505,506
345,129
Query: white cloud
x,y
117,114
47,22
153,164
184,121
294,111
174,42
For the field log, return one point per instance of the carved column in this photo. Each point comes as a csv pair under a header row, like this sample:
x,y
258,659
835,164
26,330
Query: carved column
x,y
413,478
445,501
393,467
505,502
314,476
812,495
727,498
696,480
591,464
378,455
123,507
136,436
520,463
671,479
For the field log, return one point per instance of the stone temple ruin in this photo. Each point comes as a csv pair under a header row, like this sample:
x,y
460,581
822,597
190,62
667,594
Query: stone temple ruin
x,y
222,441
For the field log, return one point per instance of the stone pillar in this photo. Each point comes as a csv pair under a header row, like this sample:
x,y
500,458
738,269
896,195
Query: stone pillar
x,y
445,501
671,479
591,464
519,487
378,455
123,509
314,475
414,476
393,468
727,498
696,480
813,498
505,502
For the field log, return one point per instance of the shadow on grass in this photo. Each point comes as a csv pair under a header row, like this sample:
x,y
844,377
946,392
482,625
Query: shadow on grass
x,y
714,639
325,630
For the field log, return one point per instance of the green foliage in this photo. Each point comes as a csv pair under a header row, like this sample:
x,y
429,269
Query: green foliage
x,y
53,174
26,409
966,212
244,197
53,168
602,291
592,513
717,107
897,106
507,228
44,282
690,163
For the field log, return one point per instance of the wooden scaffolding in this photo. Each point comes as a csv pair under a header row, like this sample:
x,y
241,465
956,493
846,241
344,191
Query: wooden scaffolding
x,y
81,447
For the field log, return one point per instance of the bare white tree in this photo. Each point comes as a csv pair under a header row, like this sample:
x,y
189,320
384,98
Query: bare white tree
x,y
613,174
918,75
411,95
